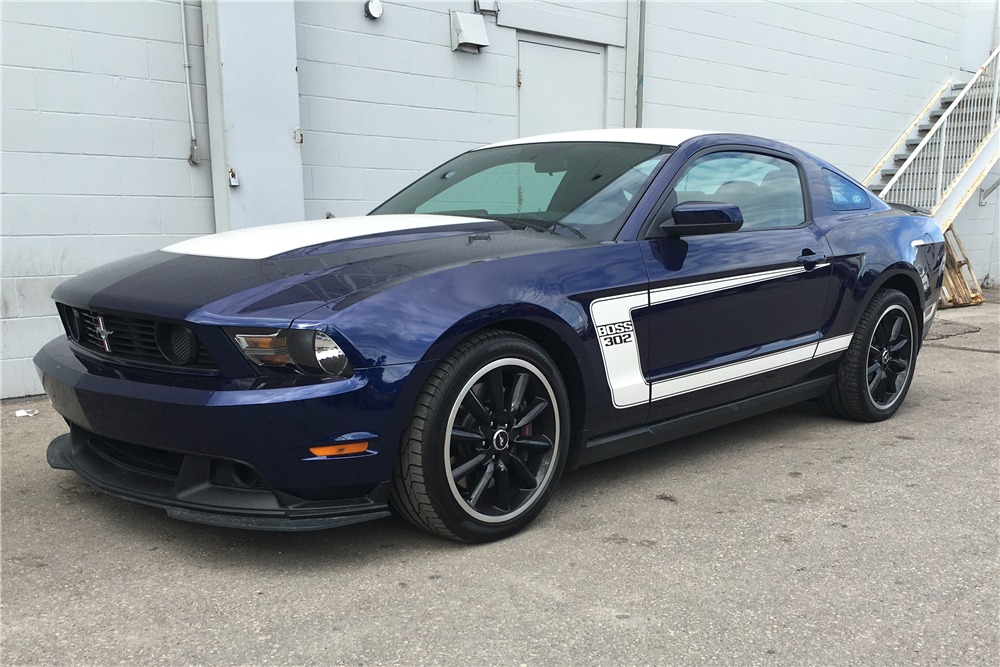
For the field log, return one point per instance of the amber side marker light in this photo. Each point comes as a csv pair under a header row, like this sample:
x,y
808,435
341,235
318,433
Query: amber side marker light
x,y
339,450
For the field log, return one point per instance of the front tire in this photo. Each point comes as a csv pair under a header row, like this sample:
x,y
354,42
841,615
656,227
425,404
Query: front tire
x,y
486,442
875,372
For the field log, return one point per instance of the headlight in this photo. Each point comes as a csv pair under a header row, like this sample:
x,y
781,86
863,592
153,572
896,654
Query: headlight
x,y
304,351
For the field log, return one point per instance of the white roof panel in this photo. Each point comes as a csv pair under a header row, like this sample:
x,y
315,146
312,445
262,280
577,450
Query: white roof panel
x,y
639,135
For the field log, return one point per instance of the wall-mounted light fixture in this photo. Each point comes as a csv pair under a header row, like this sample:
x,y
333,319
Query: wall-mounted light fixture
x,y
373,8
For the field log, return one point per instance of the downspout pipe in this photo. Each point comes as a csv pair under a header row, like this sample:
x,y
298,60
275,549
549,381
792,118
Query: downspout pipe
x,y
193,156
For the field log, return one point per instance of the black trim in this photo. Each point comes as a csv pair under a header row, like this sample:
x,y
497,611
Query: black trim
x,y
678,427
134,340
187,490
907,208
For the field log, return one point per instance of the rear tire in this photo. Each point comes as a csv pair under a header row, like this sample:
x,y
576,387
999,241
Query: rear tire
x,y
486,442
875,373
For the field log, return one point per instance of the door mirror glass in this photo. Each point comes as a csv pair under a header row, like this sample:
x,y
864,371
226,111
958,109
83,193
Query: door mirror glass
x,y
703,217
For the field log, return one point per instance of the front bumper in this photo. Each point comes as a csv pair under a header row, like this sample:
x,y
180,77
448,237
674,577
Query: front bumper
x,y
268,430
187,487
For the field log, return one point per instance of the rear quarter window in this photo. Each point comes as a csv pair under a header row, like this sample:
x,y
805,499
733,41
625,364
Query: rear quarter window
x,y
845,195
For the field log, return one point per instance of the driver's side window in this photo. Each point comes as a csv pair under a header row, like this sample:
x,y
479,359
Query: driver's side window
x,y
767,189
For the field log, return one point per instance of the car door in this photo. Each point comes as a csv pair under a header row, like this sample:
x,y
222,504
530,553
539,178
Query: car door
x,y
736,314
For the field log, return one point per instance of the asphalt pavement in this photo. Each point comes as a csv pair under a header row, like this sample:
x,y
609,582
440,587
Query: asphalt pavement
x,y
791,538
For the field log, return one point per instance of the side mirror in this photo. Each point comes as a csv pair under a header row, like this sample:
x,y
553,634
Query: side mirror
x,y
703,217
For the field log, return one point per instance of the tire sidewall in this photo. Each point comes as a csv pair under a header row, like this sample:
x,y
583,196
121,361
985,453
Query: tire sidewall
x,y
436,468
883,302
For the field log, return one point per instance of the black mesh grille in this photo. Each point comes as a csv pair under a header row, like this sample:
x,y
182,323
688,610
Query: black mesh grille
x,y
129,338
182,344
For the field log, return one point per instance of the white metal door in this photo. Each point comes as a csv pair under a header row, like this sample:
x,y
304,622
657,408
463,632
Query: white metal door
x,y
559,88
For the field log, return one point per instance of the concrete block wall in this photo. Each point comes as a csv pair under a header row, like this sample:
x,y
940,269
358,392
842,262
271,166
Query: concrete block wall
x,y
383,101
841,80
978,228
94,149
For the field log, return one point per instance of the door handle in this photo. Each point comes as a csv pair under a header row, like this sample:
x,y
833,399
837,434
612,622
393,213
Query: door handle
x,y
814,258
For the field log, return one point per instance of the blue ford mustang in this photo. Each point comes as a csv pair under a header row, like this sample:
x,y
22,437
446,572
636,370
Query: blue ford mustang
x,y
525,308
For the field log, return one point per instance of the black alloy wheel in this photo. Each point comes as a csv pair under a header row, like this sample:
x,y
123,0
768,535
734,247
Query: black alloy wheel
x,y
890,353
501,438
487,440
875,372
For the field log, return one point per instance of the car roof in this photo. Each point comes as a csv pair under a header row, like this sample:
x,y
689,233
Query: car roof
x,y
637,135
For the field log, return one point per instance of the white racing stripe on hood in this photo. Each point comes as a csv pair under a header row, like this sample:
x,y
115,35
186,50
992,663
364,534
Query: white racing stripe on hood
x,y
262,242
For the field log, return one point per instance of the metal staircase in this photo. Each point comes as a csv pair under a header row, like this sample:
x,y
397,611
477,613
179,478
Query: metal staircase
x,y
941,162
890,164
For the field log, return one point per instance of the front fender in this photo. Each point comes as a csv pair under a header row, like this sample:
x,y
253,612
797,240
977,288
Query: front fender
x,y
568,330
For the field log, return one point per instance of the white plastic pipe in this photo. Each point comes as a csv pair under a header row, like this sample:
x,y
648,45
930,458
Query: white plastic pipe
x,y
193,157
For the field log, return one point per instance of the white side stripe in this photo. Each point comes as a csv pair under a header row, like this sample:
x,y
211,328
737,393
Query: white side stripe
x,y
612,316
833,345
732,372
676,292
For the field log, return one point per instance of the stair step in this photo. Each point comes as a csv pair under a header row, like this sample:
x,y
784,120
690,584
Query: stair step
x,y
902,157
959,87
889,171
925,127
949,98
937,113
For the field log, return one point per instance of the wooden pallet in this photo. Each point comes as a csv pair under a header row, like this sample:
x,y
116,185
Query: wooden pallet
x,y
960,287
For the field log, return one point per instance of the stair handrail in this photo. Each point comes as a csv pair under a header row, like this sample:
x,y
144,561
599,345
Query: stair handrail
x,y
941,126
906,133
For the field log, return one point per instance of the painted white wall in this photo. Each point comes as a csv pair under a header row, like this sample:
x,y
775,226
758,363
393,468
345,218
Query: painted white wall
x,y
384,101
979,35
841,80
253,112
94,148
978,227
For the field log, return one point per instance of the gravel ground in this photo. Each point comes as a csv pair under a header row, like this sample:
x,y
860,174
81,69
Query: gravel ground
x,y
787,539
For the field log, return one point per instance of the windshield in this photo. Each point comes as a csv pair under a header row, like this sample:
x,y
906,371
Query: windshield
x,y
583,190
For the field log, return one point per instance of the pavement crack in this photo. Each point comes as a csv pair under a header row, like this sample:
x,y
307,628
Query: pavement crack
x,y
963,349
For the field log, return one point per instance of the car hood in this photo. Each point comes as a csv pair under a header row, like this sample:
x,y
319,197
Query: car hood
x,y
277,273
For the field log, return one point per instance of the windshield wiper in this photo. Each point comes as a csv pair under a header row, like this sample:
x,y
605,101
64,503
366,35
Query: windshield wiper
x,y
542,226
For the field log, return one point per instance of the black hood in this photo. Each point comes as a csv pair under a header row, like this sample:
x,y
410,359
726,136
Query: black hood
x,y
215,290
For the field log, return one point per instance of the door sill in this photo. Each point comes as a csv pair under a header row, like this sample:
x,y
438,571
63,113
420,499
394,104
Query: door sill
x,y
606,447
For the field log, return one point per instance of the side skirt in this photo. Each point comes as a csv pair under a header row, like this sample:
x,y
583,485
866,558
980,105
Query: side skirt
x,y
633,440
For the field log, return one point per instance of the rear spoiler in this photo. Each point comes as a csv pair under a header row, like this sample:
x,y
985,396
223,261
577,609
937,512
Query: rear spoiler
x,y
906,208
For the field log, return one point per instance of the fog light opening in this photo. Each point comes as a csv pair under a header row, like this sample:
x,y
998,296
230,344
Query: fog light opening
x,y
236,475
